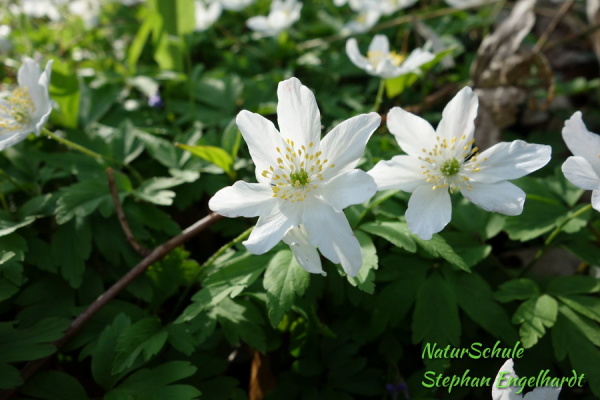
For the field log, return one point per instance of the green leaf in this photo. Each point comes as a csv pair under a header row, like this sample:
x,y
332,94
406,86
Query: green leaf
x,y
54,385
534,316
435,319
233,277
475,298
517,289
586,326
9,376
30,343
574,285
64,90
365,280
145,337
396,233
153,190
241,320
438,247
584,305
104,354
71,247
8,227
156,384
284,280
214,155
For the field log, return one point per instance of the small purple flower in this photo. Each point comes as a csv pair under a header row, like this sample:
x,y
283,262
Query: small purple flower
x,y
396,387
155,101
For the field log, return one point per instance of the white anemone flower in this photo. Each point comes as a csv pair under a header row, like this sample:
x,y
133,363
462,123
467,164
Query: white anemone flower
x,y
362,22
42,8
282,15
87,10
443,161
28,107
382,62
510,392
235,5
206,14
304,182
583,168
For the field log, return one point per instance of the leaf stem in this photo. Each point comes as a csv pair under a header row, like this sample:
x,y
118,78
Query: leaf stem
x,y
551,238
374,204
379,95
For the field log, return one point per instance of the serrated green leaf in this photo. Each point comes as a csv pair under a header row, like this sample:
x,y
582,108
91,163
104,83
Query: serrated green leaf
x,y
584,305
435,318
30,343
586,326
145,337
9,376
241,320
396,233
214,155
71,247
284,280
54,385
517,289
104,353
534,316
565,285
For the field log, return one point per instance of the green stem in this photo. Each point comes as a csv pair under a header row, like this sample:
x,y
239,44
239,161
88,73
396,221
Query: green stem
x,y
379,95
551,238
73,145
14,182
208,263
92,154
374,204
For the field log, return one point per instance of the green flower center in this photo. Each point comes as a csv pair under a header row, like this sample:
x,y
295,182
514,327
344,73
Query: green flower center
x,y
299,178
450,167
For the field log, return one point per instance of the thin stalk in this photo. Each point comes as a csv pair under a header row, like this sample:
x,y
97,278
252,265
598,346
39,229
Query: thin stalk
x,y
373,205
73,145
379,95
550,239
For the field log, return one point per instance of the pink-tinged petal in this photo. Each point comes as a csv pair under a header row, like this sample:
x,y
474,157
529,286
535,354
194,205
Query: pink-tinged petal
x,y
429,211
354,54
412,133
272,227
506,161
501,197
596,199
582,142
458,119
581,173
330,231
345,144
243,199
305,252
401,172
262,139
298,114
347,188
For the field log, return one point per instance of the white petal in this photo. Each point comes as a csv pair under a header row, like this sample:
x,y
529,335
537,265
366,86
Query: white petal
x,y
581,173
347,188
401,172
305,253
28,74
329,229
458,119
354,54
380,43
243,199
412,133
416,58
512,160
429,211
271,228
12,138
297,113
543,393
582,142
259,23
505,393
262,139
386,69
345,144
596,199
500,197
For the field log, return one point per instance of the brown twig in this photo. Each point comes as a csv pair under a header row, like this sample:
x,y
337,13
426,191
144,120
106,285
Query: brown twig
x,y
83,318
114,193
552,26
571,37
